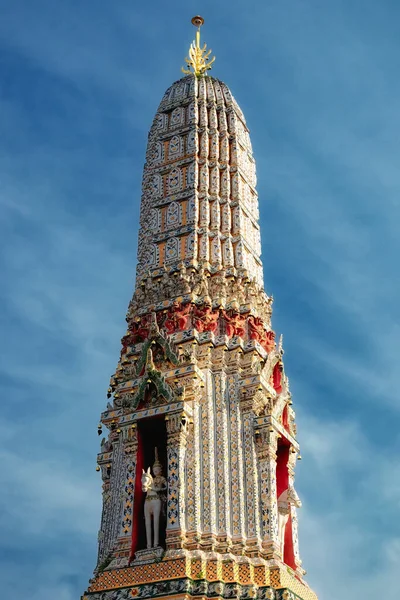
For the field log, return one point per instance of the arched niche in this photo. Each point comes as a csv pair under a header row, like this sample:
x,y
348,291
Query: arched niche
x,y
151,434
282,484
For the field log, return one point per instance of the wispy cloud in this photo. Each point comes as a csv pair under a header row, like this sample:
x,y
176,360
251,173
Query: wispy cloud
x,y
319,86
348,526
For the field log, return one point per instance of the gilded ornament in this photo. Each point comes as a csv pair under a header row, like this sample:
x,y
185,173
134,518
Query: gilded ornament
x,y
200,60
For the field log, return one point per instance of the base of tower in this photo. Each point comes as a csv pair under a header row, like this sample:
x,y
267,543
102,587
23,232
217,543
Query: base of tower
x,y
201,575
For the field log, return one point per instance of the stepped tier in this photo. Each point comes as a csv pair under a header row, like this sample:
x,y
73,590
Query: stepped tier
x,y
198,465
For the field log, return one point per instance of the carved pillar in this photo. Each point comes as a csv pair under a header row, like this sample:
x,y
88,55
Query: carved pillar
x,y
208,465
104,461
236,464
191,489
266,446
124,541
252,481
223,470
113,473
130,446
177,428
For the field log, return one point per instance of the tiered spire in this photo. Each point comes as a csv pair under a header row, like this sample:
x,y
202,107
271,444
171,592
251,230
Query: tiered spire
x,y
200,391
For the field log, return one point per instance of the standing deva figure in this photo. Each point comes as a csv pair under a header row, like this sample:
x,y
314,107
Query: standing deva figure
x,y
155,488
285,501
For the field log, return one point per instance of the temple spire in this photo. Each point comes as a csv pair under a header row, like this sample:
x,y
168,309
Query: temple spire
x,y
198,468
199,61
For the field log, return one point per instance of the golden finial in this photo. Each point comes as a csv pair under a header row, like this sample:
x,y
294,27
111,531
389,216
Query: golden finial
x,y
199,61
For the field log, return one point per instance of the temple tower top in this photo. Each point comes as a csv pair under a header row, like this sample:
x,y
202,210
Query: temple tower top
x,y
199,203
198,464
199,61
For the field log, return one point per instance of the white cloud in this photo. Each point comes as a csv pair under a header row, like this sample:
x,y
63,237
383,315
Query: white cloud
x,y
47,497
349,533
319,87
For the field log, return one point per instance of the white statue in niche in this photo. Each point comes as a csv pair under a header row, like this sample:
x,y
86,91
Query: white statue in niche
x,y
288,498
155,488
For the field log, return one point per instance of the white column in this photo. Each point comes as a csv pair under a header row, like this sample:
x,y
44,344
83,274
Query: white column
x,y
266,446
237,477
176,454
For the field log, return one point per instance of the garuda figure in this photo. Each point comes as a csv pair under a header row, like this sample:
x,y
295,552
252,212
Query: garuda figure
x,y
234,322
204,317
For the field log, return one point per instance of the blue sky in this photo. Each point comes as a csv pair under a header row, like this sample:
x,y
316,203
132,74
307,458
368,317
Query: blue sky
x,y
318,83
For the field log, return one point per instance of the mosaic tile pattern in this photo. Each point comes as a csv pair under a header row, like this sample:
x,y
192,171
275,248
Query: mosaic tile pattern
x,y
113,504
251,481
199,250
222,456
200,116
202,575
236,463
267,487
128,493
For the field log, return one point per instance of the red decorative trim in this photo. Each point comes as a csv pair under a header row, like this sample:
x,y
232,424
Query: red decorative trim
x,y
234,323
137,332
177,317
205,318
277,377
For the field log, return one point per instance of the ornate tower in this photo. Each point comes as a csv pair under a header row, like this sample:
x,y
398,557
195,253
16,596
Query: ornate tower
x,y
198,464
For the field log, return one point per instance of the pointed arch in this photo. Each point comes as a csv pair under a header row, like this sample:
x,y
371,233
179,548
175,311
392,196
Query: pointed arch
x,y
174,180
176,117
191,141
173,214
160,120
191,175
152,220
174,147
191,112
158,155
172,249
156,184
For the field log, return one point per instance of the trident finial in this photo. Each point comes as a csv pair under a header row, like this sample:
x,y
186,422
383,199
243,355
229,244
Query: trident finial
x,y
199,61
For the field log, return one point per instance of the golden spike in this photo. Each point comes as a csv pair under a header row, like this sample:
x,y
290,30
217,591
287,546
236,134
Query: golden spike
x,y
199,61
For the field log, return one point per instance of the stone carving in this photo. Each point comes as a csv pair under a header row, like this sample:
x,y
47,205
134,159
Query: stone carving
x,y
256,328
177,317
183,280
200,282
155,488
165,286
276,377
204,317
106,445
240,294
234,321
288,498
138,332
268,343
258,332
219,287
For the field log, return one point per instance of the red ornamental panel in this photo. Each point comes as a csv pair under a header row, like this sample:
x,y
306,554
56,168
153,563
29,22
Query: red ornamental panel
x,y
234,323
205,318
177,317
